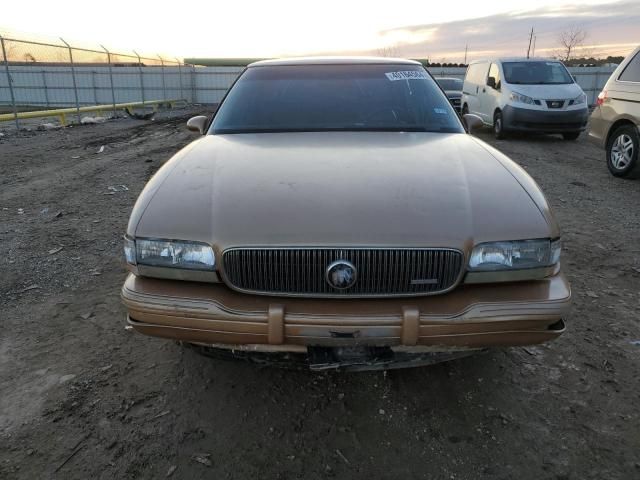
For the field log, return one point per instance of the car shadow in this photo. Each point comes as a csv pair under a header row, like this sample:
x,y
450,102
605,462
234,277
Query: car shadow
x,y
487,136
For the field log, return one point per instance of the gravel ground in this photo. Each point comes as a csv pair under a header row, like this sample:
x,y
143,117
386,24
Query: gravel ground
x,y
81,397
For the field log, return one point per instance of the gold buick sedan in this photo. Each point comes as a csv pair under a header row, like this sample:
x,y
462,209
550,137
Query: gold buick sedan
x,y
336,213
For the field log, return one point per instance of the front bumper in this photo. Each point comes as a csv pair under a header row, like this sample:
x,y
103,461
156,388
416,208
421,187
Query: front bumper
x,y
598,128
469,317
542,121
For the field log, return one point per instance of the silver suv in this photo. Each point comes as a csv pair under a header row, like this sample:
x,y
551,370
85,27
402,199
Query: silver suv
x,y
616,118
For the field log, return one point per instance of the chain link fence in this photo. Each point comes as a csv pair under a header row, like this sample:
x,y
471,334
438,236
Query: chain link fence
x,y
37,75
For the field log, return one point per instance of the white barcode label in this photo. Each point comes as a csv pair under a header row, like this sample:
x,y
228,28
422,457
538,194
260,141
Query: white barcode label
x,y
407,75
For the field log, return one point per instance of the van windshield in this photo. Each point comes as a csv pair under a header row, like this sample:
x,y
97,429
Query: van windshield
x,y
345,97
536,73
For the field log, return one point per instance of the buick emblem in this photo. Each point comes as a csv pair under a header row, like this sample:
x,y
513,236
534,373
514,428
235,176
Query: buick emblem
x,y
341,274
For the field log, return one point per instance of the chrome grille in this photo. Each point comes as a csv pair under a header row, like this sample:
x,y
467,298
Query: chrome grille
x,y
381,272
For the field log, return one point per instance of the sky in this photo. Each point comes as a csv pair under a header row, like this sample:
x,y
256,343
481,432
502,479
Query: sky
x,y
418,29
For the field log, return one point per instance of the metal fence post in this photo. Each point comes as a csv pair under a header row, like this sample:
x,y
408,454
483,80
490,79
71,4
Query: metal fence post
x,y
180,76
193,85
113,92
73,75
164,87
595,85
95,87
46,88
141,74
10,82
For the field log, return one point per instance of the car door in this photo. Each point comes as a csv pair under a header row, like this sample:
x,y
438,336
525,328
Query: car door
x,y
490,93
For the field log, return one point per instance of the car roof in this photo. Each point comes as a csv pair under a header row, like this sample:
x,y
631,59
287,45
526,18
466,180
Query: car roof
x,y
335,61
516,59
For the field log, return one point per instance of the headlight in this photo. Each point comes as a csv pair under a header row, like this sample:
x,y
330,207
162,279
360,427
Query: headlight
x,y
517,255
580,99
169,253
130,250
518,97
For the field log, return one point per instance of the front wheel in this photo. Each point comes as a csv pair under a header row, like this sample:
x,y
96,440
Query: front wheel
x,y
465,109
622,152
498,126
571,135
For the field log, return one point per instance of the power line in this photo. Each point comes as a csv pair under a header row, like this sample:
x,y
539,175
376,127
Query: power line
x,y
508,40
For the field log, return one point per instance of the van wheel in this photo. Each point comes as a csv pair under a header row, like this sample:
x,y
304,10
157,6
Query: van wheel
x,y
465,109
622,152
498,126
571,135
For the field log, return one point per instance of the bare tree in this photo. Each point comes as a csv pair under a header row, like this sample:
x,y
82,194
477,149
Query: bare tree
x,y
571,41
389,51
29,57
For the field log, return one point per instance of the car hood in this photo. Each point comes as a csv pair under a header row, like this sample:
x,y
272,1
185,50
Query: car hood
x,y
548,92
453,93
341,189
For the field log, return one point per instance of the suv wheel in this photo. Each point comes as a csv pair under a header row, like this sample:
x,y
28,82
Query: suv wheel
x,y
622,152
498,126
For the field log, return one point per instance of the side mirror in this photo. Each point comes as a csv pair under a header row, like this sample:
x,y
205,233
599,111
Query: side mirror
x,y
491,81
472,122
197,124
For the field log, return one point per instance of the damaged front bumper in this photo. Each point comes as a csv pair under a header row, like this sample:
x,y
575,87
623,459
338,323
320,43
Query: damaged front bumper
x,y
350,332
357,358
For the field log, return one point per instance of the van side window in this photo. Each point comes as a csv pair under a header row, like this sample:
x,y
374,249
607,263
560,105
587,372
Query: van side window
x,y
476,73
469,75
494,72
631,72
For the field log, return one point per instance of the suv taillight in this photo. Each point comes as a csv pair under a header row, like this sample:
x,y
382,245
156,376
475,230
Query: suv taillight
x,y
601,98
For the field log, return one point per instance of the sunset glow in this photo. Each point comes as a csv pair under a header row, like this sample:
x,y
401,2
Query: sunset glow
x,y
286,28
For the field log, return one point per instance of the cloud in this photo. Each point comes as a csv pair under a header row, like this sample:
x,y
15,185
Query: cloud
x,y
612,28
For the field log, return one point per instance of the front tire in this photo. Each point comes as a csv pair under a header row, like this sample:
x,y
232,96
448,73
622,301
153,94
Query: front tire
x,y
465,109
571,135
623,149
498,126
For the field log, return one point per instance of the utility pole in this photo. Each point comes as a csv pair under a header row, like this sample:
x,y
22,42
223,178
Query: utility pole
x,y
530,39
466,48
533,51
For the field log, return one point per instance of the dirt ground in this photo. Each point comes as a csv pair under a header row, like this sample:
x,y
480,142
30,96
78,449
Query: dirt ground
x,y
81,397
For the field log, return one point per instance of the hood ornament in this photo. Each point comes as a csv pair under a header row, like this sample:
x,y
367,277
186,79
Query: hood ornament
x,y
341,274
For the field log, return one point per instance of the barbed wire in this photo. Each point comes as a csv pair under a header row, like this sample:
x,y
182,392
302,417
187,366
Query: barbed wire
x,y
25,48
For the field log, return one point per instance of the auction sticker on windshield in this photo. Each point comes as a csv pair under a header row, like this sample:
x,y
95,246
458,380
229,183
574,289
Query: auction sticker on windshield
x,y
407,75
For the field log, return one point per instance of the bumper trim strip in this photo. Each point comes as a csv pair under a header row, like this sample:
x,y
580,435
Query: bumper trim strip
x,y
410,325
275,327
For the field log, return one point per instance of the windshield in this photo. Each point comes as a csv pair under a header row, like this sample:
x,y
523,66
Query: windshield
x,y
295,98
536,73
450,83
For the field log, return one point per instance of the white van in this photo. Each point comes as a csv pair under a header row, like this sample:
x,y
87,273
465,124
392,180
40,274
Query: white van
x,y
525,94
